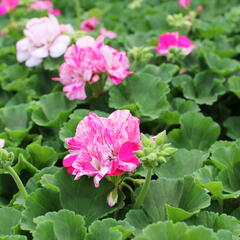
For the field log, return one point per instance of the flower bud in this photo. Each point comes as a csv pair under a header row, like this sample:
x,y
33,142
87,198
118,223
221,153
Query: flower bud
x,y
161,138
112,197
6,158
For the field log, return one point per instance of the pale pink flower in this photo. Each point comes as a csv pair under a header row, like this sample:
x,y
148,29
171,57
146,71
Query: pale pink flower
x,y
174,40
2,143
184,3
104,146
43,37
106,33
8,5
86,61
45,5
89,24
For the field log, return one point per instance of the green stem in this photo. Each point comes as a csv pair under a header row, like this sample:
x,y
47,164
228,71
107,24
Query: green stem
x,y
141,196
18,181
78,10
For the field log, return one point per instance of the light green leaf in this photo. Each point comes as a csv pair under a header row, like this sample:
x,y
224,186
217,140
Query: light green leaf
x,y
183,163
234,85
232,124
63,225
109,229
39,203
53,110
196,132
222,66
9,217
146,92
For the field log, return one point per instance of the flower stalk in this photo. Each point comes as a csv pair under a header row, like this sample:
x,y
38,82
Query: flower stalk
x,y
144,190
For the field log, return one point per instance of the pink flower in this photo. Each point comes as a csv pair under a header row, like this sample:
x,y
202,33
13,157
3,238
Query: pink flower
x,y
43,5
106,33
8,5
86,61
104,146
174,40
43,37
184,3
200,8
89,24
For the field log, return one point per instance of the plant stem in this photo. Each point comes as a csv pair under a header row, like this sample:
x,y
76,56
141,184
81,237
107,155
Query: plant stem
x,y
142,194
78,10
18,181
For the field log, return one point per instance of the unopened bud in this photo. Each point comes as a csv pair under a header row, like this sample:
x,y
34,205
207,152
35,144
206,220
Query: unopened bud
x,y
161,138
112,197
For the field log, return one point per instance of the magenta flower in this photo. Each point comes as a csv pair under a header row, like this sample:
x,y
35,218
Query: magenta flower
x,y
89,24
174,40
86,61
45,5
104,146
8,5
184,3
43,37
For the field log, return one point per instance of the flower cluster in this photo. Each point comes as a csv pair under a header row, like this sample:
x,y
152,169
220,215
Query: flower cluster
x,y
173,40
85,61
104,146
43,37
43,5
7,5
90,25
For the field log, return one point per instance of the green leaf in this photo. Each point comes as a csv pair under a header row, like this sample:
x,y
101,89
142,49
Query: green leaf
x,y
69,128
232,125
149,98
42,156
179,231
109,229
13,237
183,163
173,199
216,222
234,85
9,217
15,120
204,88
178,107
39,203
165,71
75,195
196,132
53,110
62,225
222,66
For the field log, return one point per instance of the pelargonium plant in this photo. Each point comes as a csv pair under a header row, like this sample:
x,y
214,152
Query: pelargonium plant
x,y
43,37
86,61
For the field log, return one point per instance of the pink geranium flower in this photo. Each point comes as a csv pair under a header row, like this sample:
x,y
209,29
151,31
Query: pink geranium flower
x,y
106,33
174,40
43,5
184,3
8,5
2,143
89,24
104,146
86,61
43,37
